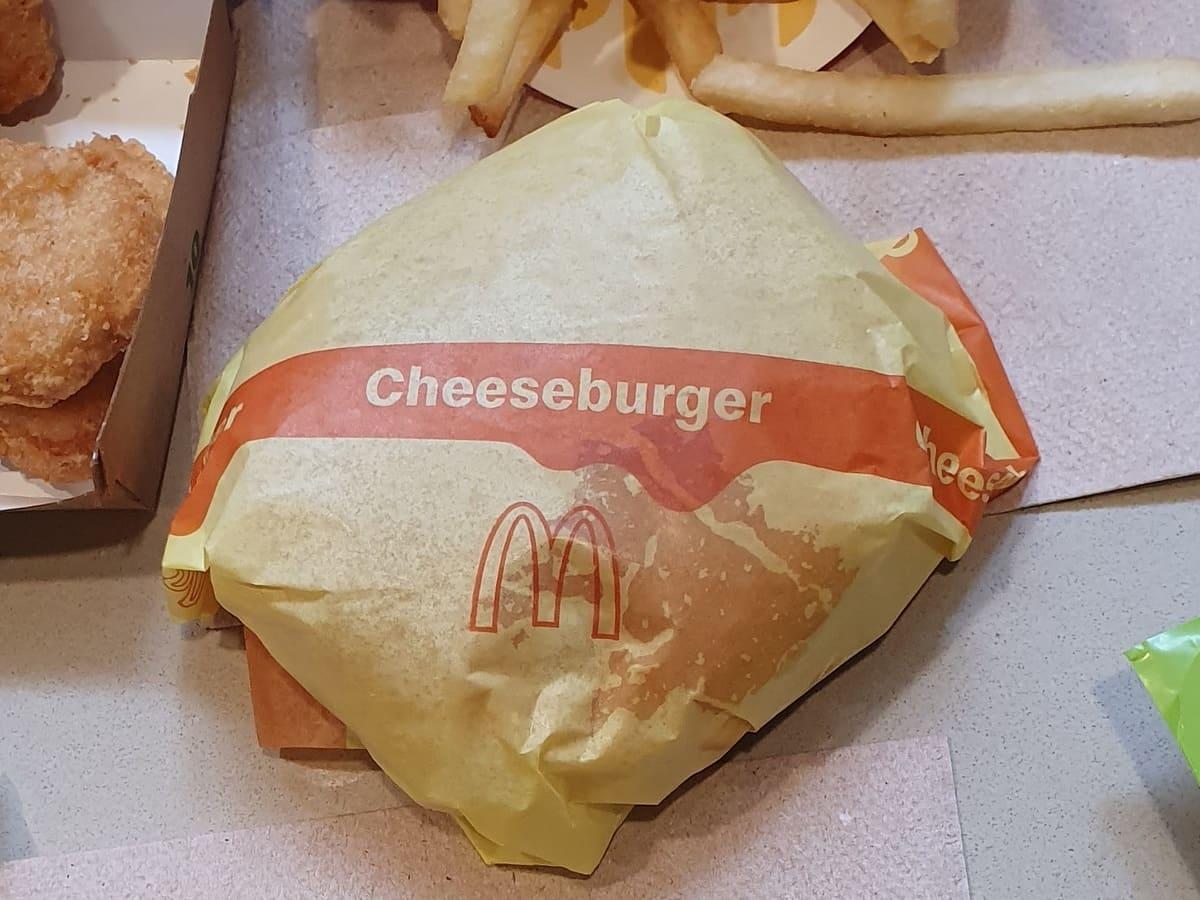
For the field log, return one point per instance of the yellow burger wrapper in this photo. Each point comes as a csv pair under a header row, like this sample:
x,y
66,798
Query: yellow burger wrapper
x,y
557,480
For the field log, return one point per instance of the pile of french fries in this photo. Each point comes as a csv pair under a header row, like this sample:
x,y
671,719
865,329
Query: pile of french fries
x,y
504,41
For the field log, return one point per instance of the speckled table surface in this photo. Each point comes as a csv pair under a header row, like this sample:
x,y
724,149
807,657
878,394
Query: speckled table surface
x,y
115,728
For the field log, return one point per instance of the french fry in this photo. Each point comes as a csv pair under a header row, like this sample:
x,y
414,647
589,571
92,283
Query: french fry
x,y
686,31
892,18
488,40
1135,93
541,26
453,14
934,20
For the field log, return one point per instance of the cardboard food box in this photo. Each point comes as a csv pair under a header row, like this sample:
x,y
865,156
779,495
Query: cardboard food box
x,y
132,69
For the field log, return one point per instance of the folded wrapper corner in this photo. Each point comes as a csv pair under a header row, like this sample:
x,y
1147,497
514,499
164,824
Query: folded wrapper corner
x,y
557,480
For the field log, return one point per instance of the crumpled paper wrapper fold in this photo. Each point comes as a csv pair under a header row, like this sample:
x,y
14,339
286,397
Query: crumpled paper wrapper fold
x,y
557,480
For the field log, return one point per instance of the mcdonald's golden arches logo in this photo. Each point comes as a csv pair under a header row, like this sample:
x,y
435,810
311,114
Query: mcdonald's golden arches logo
x,y
550,548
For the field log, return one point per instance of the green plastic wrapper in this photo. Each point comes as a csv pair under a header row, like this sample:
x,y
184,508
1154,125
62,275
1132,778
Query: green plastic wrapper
x,y
1169,666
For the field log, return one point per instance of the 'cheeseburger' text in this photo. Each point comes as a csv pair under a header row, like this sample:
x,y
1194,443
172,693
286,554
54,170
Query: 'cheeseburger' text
x,y
691,406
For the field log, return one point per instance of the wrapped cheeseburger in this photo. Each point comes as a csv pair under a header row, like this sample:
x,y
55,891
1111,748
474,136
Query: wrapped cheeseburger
x,y
556,481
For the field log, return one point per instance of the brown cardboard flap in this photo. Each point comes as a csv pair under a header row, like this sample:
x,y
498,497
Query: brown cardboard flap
x,y
132,448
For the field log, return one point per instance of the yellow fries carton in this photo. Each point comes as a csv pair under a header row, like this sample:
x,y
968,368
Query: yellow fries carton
x,y
560,478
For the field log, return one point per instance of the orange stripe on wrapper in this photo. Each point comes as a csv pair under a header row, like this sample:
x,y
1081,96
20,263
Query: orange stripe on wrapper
x,y
921,268
684,423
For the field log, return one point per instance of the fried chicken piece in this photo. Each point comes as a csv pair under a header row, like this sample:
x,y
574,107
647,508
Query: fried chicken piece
x,y
56,444
27,56
131,158
77,246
